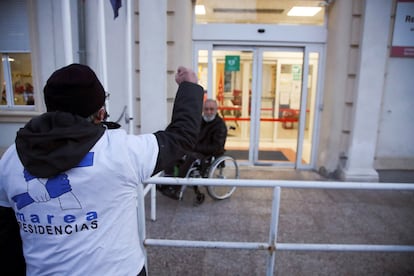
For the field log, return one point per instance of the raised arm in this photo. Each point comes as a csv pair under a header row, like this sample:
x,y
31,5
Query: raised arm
x,y
181,134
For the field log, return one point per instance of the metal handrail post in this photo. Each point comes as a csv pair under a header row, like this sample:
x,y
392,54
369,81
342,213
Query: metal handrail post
x,y
152,189
273,231
153,202
141,219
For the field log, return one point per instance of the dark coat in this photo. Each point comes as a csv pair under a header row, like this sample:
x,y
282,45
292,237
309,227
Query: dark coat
x,y
11,252
212,137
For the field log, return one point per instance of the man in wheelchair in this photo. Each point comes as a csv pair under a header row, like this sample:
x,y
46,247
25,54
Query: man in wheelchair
x,y
210,143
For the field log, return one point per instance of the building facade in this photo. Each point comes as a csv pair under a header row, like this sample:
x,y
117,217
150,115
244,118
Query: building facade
x,y
325,93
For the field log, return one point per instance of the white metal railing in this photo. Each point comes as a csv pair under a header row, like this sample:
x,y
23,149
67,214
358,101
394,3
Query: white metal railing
x,y
272,245
153,197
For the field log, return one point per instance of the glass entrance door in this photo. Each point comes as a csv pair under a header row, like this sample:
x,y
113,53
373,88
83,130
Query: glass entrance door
x,y
267,104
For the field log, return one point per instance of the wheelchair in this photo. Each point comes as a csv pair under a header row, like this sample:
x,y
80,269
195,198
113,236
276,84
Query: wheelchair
x,y
222,167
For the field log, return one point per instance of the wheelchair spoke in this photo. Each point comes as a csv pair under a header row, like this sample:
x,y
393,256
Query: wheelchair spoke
x,y
224,167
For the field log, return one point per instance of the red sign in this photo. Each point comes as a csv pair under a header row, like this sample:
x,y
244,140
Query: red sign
x,y
403,38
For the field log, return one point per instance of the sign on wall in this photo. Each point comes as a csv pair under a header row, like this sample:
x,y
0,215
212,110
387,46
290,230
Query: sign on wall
x,y
232,63
403,38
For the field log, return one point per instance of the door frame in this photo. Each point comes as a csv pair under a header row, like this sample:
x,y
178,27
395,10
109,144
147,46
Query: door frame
x,y
257,51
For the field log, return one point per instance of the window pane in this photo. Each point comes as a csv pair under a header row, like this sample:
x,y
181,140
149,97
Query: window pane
x,y
14,26
3,86
259,12
21,73
203,69
310,107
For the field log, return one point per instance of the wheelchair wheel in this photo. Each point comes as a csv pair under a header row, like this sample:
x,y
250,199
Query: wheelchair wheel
x,y
224,167
193,172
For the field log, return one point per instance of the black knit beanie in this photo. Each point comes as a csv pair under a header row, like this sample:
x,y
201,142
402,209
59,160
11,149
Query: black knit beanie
x,y
75,89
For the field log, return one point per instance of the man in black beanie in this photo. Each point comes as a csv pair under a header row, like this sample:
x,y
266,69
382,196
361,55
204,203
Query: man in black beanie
x,y
74,89
72,182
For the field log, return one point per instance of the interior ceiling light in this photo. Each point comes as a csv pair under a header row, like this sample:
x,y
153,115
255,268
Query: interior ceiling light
x,y
200,10
304,11
236,10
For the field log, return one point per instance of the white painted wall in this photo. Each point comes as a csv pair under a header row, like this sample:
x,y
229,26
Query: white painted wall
x,y
335,86
369,85
366,119
153,65
110,53
179,44
8,134
395,146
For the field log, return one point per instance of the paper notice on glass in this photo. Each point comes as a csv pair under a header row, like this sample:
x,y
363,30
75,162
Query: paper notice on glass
x,y
295,100
295,95
284,97
286,77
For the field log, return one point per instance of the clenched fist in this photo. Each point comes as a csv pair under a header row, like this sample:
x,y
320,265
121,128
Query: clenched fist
x,y
185,74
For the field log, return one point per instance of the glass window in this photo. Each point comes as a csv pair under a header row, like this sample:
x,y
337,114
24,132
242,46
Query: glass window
x,y
16,79
292,12
203,69
3,86
16,67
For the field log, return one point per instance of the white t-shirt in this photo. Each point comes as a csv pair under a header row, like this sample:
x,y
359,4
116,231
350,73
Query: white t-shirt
x,y
84,221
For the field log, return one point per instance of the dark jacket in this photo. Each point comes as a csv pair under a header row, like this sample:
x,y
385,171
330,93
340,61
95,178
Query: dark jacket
x,y
181,135
11,253
212,137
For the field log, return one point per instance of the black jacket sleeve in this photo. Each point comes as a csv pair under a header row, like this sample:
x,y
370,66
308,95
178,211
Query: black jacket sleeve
x,y
181,134
11,253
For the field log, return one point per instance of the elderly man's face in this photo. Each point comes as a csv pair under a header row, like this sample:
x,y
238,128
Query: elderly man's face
x,y
209,110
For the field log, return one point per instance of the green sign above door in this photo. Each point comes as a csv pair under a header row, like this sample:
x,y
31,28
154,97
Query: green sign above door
x,y
232,63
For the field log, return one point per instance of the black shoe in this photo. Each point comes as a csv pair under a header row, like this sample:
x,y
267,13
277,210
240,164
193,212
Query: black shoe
x,y
172,192
199,199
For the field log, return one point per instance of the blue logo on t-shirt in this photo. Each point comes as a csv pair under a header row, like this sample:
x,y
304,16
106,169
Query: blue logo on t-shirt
x,y
42,189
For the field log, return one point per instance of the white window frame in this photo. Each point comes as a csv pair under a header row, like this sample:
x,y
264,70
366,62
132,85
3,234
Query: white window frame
x,y
5,58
